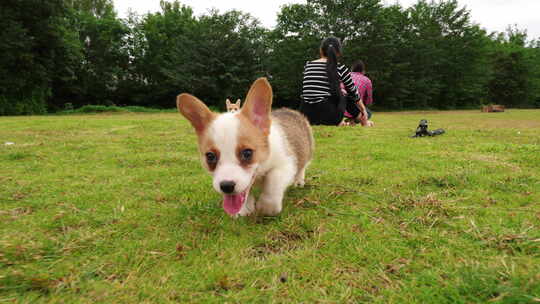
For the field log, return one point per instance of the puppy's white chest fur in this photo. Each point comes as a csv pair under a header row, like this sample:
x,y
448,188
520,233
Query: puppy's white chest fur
x,y
280,155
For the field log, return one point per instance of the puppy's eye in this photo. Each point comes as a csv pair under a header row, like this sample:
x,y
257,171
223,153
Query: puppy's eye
x,y
246,154
211,157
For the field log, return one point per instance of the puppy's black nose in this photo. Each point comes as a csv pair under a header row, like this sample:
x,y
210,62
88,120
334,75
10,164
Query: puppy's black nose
x,y
227,186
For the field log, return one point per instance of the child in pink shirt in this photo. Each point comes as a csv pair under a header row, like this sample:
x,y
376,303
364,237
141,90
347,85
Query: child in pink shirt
x,y
365,89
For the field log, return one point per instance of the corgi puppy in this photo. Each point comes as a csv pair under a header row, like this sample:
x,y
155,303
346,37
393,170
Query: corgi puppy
x,y
251,146
233,107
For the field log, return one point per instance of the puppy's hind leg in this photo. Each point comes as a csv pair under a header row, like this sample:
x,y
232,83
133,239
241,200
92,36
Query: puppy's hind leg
x,y
275,184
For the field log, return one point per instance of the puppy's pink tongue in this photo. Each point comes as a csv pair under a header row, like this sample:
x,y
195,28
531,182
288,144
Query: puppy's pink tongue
x,y
233,203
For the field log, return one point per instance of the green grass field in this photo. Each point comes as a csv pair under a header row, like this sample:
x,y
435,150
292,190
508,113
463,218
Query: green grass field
x,y
115,208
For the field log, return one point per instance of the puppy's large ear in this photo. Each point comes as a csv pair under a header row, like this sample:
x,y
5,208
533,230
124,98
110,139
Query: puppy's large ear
x,y
195,111
228,102
258,105
238,101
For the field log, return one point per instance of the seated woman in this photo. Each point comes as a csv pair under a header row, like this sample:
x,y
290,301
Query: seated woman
x,y
322,101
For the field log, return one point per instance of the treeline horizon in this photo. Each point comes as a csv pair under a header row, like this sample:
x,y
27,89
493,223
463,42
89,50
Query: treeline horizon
x,y
64,54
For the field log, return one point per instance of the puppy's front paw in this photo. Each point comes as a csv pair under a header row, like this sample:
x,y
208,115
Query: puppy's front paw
x,y
268,208
244,212
248,207
299,183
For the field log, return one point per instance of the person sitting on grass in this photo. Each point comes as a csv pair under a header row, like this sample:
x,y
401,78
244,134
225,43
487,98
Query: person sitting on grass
x,y
322,101
365,91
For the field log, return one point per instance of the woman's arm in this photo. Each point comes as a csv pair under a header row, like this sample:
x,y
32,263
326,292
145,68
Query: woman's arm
x,y
346,79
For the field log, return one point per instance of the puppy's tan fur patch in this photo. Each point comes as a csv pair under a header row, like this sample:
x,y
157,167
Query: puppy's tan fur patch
x,y
298,133
200,118
258,105
195,111
250,137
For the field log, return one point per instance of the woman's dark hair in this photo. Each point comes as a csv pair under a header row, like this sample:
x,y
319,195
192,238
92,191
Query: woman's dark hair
x,y
331,48
359,67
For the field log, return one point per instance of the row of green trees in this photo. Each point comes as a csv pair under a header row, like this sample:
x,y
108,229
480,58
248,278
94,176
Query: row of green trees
x,y
70,53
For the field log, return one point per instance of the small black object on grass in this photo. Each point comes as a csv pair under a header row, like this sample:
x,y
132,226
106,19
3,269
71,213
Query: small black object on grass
x,y
422,130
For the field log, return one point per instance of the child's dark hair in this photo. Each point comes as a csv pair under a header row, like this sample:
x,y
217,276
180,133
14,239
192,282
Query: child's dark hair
x,y
358,67
331,48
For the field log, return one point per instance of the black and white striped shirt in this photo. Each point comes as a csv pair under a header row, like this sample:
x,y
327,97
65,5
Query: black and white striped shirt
x,y
316,86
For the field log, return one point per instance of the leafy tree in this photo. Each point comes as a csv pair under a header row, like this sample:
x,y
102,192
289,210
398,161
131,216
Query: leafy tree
x,y
516,66
229,51
166,66
133,86
534,53
213,56
288,52
447,54
96,8
100,35
35,44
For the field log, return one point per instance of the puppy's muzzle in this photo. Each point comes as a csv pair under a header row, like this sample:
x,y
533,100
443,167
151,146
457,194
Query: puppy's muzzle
x,y
227,186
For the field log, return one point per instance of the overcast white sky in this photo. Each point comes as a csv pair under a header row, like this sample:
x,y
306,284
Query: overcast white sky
x,y
494,15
